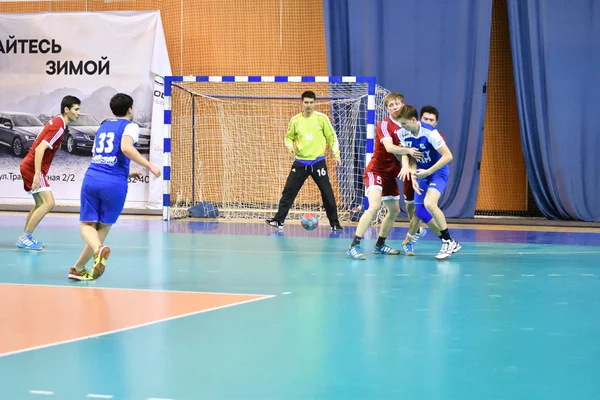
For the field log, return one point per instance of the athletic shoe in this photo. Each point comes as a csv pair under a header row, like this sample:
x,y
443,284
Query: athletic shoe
x,y
38,242
336,227
355,253
409,249
77,275
29,243
274,223
449,247
100,258
421,234
385,249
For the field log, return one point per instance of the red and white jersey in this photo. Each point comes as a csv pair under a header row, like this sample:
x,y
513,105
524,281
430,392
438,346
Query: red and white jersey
x,y
382,161
52,134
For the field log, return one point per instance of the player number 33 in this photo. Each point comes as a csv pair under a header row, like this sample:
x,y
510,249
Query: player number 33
x,y
105,143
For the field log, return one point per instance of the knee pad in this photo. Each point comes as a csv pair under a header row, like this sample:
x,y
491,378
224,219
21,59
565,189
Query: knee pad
x,y
422,213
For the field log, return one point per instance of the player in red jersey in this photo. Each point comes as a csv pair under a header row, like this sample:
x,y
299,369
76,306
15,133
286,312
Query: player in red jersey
x,y
429,115
380,180
35,167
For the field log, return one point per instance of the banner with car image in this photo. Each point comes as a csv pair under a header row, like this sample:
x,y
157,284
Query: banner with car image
x,y
91,56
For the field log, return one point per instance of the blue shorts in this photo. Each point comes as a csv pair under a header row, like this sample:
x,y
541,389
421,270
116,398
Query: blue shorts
x,y
438,181
101,201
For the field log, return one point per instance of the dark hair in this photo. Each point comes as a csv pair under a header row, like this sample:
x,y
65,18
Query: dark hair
x,y
68,102
309,94
120,104
408,112
430,110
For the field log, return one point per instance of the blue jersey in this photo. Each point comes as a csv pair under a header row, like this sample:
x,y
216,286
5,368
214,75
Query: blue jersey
x,y
428,141
108,161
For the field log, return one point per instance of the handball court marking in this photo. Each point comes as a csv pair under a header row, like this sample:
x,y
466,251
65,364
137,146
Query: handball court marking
x,y
41,316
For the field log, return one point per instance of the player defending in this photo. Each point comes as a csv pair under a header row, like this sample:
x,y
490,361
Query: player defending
x,y
431,176
380,179
429,115
104,186
308,134
35,167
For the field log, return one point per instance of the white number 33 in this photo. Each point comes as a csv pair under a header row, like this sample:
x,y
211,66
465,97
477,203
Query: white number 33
x,y
105,143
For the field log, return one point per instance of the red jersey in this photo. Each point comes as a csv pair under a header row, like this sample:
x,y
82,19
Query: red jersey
x,y
53,134
382,161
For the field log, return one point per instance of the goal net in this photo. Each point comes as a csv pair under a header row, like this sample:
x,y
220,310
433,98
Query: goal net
x,y
224,142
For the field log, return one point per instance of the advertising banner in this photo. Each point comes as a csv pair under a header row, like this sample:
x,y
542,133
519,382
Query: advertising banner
x,y
44,57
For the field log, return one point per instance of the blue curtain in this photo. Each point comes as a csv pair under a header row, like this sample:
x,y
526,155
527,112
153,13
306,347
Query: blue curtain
x,y
433,52
556,60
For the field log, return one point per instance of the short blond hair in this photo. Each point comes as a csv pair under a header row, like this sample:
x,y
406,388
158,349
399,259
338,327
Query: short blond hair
x,y
392,96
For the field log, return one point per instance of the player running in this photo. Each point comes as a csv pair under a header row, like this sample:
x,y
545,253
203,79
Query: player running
x,y
104,186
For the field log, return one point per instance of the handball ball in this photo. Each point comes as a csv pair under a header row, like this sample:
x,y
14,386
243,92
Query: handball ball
x,y
309,221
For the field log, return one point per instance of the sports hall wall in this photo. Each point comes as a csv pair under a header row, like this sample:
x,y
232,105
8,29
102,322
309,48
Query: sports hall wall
x,y
273,37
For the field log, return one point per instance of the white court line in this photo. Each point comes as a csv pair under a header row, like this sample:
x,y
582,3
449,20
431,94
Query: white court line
x,y
132,289
131,327
99,396
41,392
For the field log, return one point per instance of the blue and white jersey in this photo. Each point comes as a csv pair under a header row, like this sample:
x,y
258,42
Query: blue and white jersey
x,y
107,158
428,141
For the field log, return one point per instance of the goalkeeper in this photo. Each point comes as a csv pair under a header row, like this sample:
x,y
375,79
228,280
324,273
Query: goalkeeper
x,y
308,135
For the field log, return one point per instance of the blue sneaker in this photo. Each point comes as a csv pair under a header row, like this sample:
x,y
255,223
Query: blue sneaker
x,y
355,253
29,243
421,234
385,249
37,241
409,248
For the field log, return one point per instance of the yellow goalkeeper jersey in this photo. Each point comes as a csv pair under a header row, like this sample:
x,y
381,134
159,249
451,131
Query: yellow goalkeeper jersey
x,y
311,135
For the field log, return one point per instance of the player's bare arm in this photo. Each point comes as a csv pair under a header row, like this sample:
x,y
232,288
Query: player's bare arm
x,y
400,150
445,159
128,148
415,184
409,166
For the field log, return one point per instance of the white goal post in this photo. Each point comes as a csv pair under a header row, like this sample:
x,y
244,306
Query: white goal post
x,y
224,141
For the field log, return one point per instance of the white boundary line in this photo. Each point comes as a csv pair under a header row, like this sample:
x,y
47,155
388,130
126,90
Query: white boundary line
x,y
129,327
42,392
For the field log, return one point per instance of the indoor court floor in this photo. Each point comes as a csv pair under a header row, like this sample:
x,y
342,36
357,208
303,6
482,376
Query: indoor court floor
x,y
226,310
